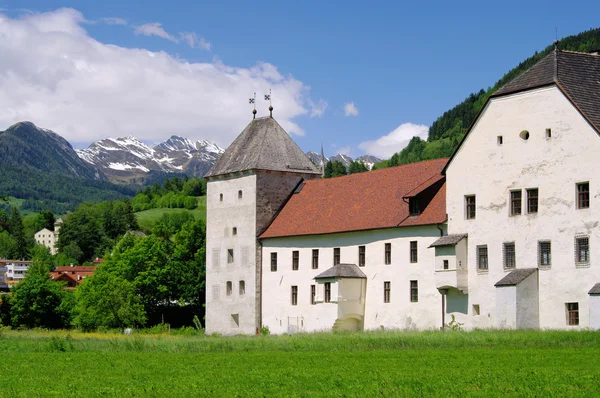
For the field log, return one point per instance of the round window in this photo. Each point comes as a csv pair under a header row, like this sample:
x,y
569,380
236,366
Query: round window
x,y
524,135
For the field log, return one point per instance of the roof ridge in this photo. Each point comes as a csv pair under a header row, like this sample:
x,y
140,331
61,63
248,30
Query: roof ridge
x,y
579,53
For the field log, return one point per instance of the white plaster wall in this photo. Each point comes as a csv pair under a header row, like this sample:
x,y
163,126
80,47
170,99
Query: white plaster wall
x,y
528,303
47,238
594,301
506,307
554,166
221,218
400,313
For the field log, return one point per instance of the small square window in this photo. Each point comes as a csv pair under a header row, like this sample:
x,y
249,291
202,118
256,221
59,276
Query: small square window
x,y
414,256
548,133
413,206
313,294
220,197
229,288
336,256
242,288
229,256
239,194
475,309
327,292
470,207
446,264
499,140
572,314
583,195
414,291
234,231
509,255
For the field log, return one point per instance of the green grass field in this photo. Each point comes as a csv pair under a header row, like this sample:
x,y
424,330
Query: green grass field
x,y
148,217
481,363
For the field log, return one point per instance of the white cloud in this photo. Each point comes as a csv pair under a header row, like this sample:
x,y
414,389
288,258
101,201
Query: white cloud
x,y
154,29
193,41
350,109
61,78
386,146
318,109
344,150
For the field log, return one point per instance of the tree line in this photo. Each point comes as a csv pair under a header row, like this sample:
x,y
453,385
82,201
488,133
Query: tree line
x,y
178,193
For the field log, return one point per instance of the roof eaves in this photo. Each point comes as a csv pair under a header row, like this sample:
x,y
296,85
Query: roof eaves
x,y
572,101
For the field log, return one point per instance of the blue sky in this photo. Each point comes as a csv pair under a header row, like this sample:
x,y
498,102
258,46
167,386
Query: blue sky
x,y
400,64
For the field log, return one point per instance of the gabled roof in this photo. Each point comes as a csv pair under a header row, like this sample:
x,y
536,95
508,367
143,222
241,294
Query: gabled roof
x,y
577,75
263,145
448,240
515,277
371,200
595,289
342,271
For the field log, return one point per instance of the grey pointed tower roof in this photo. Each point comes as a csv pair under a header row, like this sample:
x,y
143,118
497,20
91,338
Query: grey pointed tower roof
x,y
263,145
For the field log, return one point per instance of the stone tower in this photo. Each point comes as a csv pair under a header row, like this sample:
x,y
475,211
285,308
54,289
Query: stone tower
x,y
246,188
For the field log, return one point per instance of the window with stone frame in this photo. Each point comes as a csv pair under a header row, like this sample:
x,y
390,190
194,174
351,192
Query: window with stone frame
x,y
273,262
327,288
583,195
482,258
229,290
388,253
230,256
470,207
336,256
294,295
295,260
532,200
387,291
414,254
515,203
509,255
572,314
582,250
361,256
544,253
315,259
242,288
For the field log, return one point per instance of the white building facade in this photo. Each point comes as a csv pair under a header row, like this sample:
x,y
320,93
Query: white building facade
x,y
48,238
522,189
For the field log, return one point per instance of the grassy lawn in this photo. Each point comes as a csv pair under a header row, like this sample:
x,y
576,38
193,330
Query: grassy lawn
x,y
147,218
481,363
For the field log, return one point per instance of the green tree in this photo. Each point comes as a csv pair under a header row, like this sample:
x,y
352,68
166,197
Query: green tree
x,y
82,229
357,167
335,169
40,302
17,231
8,246
108,300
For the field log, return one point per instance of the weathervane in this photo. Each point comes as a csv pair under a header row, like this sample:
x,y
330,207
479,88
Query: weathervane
x,y
253,101
268,98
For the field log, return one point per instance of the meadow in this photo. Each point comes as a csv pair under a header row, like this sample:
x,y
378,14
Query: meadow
x,y
147,218
479,363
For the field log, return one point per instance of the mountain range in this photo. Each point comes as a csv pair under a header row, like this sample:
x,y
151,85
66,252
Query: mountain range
x,y
367,160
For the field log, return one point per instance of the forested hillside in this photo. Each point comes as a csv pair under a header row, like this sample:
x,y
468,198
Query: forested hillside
x,y
449,129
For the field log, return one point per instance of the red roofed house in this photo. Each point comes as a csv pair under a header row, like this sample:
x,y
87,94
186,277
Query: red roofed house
x,y
290,251
73,275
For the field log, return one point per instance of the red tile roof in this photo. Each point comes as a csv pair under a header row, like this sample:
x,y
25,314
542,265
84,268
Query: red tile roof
x,y
72,275
363,201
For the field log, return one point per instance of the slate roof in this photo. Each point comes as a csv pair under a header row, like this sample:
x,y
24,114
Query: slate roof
x,y
595,289
448,240
363,201
342,271
515,277
263,145
576,74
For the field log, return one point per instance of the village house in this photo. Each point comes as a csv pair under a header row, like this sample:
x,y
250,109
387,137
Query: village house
x,y
15,270
72,275
499,236
48,238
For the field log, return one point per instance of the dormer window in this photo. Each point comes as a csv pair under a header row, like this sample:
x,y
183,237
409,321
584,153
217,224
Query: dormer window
x,y
413,206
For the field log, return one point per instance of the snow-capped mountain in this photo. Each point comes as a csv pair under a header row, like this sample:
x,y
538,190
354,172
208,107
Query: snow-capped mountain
x,y
126,158
367,160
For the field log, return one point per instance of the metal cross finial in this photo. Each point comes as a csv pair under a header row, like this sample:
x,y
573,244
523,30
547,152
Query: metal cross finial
x,y
253,101
268,98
